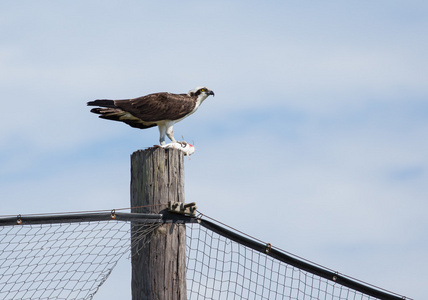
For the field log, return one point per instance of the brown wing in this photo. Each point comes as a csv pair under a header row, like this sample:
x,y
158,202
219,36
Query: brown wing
x,y
158,106
117,114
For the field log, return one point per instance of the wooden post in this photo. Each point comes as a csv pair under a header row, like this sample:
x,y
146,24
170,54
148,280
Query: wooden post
x,y
159,265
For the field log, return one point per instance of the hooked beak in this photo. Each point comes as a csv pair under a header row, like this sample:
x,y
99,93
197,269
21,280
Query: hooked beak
x,y
211,93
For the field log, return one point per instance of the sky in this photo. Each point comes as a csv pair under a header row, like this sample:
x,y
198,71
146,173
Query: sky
x,y
316,139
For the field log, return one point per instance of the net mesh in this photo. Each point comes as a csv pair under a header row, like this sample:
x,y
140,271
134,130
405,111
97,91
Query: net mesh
x,y
61,261
72,261
219,268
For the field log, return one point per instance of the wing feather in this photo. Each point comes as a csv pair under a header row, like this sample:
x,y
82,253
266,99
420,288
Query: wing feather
x,y
158,106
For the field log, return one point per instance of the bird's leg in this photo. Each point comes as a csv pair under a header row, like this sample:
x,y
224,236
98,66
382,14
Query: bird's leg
x,y
162,131
170,134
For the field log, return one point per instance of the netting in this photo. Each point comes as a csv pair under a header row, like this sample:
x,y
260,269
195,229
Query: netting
x,y
61,261
71,260
219,268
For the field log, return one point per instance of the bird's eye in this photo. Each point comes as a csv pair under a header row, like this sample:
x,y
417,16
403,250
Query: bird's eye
x,y
202,90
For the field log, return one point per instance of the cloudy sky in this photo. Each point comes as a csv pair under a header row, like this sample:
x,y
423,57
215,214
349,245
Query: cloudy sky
x,y
316,140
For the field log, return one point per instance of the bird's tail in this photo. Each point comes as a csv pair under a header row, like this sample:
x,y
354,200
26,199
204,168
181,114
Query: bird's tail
x,y
102,103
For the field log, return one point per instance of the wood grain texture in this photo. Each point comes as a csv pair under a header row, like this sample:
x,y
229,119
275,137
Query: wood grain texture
x,y
158,267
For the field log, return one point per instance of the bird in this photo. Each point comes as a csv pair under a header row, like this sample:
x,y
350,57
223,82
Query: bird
x,y
157,109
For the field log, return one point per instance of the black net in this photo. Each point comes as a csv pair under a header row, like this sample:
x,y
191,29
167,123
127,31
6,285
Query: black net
x,y
219,268
72,260
61,261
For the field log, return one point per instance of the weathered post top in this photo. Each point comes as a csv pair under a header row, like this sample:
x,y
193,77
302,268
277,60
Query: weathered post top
x,y
157,176
159,266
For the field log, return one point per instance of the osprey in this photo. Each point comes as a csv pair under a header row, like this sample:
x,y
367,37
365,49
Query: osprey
x,y
158,109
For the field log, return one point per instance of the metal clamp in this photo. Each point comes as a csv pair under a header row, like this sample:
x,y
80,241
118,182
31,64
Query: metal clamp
x,y
19,220
182,208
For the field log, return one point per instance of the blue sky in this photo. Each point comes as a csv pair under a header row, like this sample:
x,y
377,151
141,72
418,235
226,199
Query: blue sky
x,y
316,140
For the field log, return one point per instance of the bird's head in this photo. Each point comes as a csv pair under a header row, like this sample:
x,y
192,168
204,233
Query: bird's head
x,y
200,92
